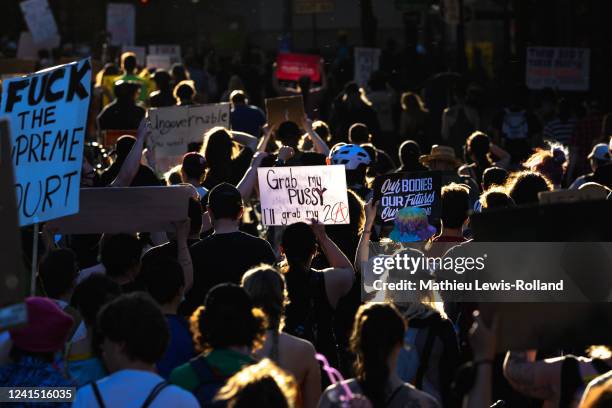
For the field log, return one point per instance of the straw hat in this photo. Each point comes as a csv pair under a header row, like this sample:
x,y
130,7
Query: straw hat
x,y
442,153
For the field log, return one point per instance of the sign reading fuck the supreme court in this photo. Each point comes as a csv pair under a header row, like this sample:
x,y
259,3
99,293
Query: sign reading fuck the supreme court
x,y
293,194
48,115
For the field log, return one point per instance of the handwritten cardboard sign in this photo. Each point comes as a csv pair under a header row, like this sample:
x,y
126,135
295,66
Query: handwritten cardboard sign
x,y
398,190
48,115
294,194
175,127
41,23
290,67
116,210
285,108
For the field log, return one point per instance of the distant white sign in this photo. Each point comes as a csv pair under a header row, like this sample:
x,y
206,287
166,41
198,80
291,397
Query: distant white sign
x,y
562,68
41,23
159,61
293,194
366,62
175,127
120,22
172,50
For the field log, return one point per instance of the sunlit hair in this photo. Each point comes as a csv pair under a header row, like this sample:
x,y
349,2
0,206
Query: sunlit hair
x,y
599,351
218,149
377,330
230,329
362,96
173,176
412,102
495,197
551,162
184,90
266,287
599,396
523,186
260,385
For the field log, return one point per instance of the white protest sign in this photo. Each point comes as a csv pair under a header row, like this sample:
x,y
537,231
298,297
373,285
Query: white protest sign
x,y
174,127
159,62
562,68
140,52
41,23
172,50
48,115
120,20
366,62
293,194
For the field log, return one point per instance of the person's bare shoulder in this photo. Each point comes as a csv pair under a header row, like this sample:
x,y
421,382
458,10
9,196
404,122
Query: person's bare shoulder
x,y
301,347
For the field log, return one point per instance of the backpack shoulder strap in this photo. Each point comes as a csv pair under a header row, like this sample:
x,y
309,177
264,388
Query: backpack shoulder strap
x,y
97,394
570,380
154,393
202,369
424,358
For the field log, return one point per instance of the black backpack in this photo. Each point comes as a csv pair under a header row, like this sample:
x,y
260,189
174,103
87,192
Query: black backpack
x,y
211,381
152,395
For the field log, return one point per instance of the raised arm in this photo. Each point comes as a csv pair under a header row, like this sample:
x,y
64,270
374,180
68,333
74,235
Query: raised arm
x,y
483,341
244,139
502,155
262,145
319,144
323,86
183,255
538,379
280,90
339,278
363,248
246,185
130,166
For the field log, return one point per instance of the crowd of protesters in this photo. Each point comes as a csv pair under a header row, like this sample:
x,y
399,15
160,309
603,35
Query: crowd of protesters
x,y
224,312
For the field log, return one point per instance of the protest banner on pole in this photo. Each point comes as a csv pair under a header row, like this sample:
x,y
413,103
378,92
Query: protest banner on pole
x,y
120,23
291,67
398,190
12,284
174,127
293,194
366,62
562,68
48,111
115,210
41,23
285,108
140,52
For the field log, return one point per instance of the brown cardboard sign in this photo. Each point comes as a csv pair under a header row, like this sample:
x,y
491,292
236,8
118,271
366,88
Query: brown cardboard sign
x,y
116,210
12,274
286,108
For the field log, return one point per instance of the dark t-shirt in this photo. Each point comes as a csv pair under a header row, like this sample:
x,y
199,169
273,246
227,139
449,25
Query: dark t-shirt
x,y
248,119
221,258
144,177
121,116
169,249
158,99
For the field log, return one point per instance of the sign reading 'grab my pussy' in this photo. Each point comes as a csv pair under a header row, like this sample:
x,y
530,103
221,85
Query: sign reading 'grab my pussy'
x,y
293,194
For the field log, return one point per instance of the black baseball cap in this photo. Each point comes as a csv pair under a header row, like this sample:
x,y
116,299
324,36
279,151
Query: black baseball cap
x,y
225,201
